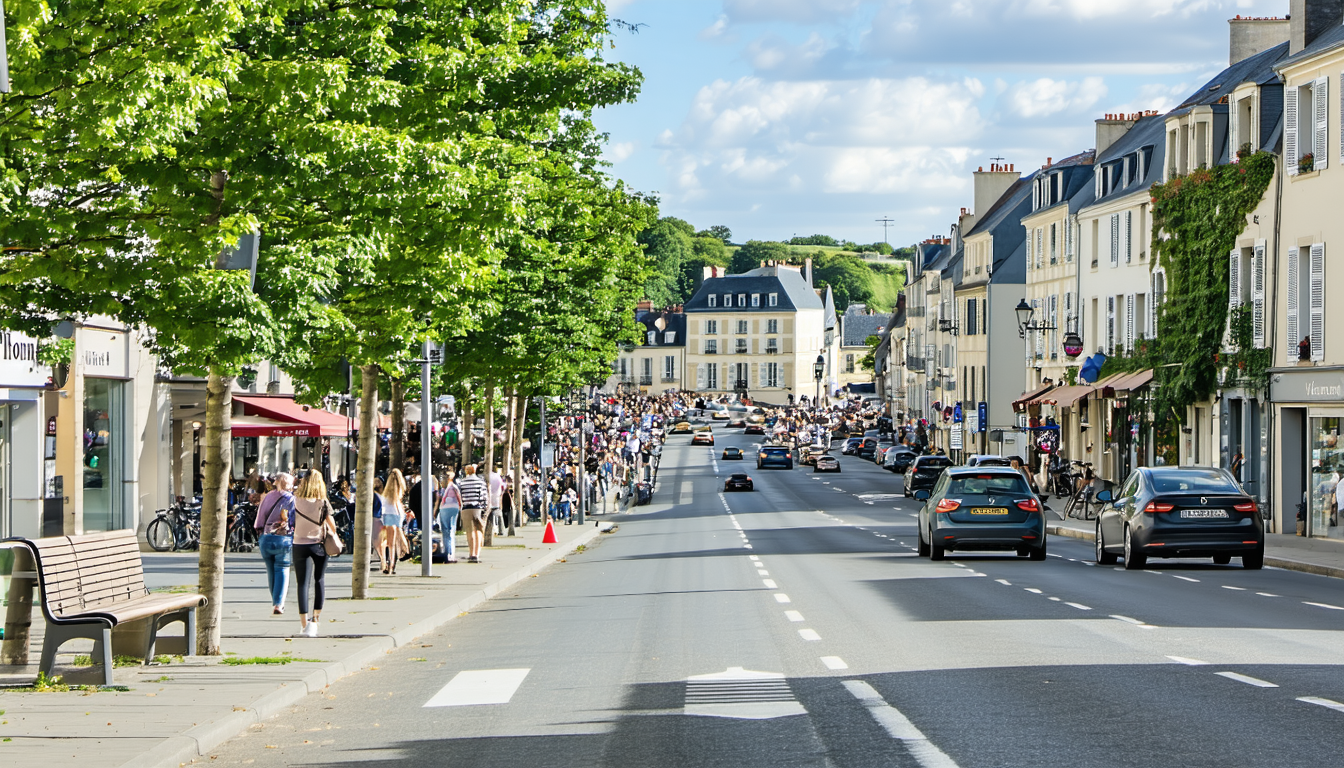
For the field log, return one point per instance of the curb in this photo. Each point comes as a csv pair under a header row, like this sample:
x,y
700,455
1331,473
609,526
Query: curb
x,y
1274,562
196,742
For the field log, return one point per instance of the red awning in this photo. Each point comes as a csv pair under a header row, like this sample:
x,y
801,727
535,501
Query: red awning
x,y
1028,398
284,409
258,426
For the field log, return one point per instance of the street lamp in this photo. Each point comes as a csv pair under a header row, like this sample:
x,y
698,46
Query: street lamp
x,y
818,370
1024,313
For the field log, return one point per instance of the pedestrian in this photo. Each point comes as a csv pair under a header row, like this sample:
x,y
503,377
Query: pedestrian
x,y
449,509
496,500
394,515
567,503
378,522
1021,468
312,512
475,498
275,523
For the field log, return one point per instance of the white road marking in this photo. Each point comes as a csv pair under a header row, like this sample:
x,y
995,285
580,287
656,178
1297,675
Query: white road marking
x,y
482,686
1188,662
1084,562
1004,582
899,727
762,573
809,634
1079,606
793,615
1324,605
834,662
1240,678
769,583
1318,701
753,557
746,546
1266,594
1185,578
1052,554
1127,619
1238,589
780,597
741,694
1032,590
1055,599
960,565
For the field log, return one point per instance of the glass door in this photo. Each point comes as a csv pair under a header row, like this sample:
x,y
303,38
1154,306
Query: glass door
x,y
102,454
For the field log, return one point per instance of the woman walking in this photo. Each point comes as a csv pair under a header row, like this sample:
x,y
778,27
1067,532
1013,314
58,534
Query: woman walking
x,y
390,545
275,523
312,522
475,497
449,508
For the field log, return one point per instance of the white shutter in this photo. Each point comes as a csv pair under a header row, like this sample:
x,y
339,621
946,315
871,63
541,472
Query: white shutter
x,y
1115,240
1110,324
1068,240
1036,195
754,379
1294,306
1321,94
1234,278
1290,128
1039,247
1129,236
1317,286
700,376
1341,117
1258,292
1129,322
1232,121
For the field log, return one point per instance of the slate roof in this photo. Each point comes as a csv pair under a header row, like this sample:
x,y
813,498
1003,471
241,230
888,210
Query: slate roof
x,y
1331,38
1149,131
672,321
794,293
857,328
1258,69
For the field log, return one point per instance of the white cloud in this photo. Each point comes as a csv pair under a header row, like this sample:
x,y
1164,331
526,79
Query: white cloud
x,y
620,151
1044,97
716,31
796,11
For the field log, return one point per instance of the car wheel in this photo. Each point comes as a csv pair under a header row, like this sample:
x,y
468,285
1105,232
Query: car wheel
x,y
1134,560
923,546
1254,561
936,552
1222,558
1038,553
1104,557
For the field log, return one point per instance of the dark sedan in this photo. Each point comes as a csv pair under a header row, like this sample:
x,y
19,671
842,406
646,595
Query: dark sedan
x,y
731,453
776,456
754,429
851,445
1179,512
898,459
981,508
867,449
738,481
923,472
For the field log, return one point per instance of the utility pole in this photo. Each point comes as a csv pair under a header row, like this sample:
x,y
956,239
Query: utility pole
x,y
884,221
4,53
427,511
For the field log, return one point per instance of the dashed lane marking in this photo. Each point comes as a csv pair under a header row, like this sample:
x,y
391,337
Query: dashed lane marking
x,y
1240,678
809,634
834,662
793,616
1238,589
1323,605
754,557
769,584
1032,590
780,597
1129,620
1318,701
899,727
476,687
1266,594
1004,582
1079,606
1188,662
1185,578
1054,599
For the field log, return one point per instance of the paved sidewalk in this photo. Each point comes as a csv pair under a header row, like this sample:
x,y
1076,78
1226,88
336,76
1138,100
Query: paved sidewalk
x,y
1324,557
176,712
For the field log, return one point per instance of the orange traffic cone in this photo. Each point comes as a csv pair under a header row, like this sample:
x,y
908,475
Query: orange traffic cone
x,y
549,536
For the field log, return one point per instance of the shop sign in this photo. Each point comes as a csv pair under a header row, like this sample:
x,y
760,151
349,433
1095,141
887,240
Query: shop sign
x,y
956,443
18,361
1307,386
102,353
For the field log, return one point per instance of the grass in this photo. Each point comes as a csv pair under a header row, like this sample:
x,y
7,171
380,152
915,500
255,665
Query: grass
x,y
507,546
180,589
48,684
163,679
126,661
581,548
261,660
380,598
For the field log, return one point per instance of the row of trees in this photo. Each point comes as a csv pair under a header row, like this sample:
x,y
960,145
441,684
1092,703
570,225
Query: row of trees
x,y
426,169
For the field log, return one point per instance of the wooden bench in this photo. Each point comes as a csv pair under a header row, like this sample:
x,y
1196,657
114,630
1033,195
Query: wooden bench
x,y
92,583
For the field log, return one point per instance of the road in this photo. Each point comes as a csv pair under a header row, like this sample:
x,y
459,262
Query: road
x,y
794,626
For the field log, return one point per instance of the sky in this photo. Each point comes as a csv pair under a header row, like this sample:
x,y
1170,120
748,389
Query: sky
x,y
795,117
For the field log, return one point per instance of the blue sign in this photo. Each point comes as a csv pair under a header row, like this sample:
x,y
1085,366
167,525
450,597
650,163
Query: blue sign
x,y
956,413
982,410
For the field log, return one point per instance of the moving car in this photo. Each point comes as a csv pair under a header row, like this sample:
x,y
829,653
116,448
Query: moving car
x,y
825,463
732,453
899,459
681,428
981,509
867,449
754,429
702,437
1179,512
851,445
981,460
738,481
720,415
737,423
774,456
923,472
808,454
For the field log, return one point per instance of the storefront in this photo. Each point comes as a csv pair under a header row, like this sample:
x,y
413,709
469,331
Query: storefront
x,y
1308,405
23,436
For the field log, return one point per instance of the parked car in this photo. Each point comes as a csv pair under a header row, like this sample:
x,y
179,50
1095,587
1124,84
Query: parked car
x,y
923,472
825,463
867,449
754,429
1179,512
981,509
899,459
703,437
851,445
731,453
738,481
807,455
774,456
983,460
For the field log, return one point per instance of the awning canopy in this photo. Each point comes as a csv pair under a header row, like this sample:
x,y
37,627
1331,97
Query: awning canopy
x,y
1134,380
284,409
259,426
1066,397
1028,397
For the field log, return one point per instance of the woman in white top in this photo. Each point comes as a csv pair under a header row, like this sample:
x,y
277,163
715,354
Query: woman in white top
x,y
312,521
392,540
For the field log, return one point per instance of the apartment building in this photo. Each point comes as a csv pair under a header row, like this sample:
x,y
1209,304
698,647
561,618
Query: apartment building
x,y
658,362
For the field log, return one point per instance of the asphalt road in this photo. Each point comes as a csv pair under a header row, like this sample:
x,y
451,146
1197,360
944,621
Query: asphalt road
x,y
794,626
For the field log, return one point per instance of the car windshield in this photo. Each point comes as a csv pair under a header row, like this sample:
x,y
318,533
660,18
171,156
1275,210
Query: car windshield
x,y
1192,480
739,477
987,485
775,451
934,462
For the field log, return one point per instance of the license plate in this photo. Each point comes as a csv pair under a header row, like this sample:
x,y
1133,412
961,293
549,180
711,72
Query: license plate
x,y
1204,514
988,511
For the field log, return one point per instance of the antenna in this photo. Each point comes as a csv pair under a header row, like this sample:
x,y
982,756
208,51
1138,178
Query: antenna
x,y
884,221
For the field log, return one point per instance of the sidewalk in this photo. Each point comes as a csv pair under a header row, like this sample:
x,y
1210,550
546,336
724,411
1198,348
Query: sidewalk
x,y
1323,557
179,711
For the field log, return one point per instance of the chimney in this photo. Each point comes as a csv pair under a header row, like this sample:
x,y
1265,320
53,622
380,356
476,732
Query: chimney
x,y
644,306
1112,127
1309,18
990,186
807,270
1250,36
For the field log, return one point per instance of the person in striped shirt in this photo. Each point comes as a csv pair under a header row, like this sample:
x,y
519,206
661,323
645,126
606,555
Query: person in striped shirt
x,y
475,504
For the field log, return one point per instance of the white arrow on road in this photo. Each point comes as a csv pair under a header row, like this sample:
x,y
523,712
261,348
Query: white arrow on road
x,y
741,694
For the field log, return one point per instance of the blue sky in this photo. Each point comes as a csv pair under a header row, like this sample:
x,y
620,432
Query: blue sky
x,y
784,117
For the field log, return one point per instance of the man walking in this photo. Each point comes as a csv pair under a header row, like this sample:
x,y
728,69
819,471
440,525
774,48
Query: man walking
x,y
475,500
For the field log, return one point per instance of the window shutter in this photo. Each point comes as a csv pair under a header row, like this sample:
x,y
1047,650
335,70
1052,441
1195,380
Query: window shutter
x,y
700,376
1068,240
1151,320
1258,292
1040,337
1129,236
1039,246
754,380
1115,239
1294,306
1036,195
1068,311
1129,321
1321,93
1234,278
1317,302
1232,121
1290,128
1110,323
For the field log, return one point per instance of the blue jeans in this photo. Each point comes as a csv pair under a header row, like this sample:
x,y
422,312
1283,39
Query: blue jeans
x,y
448,527
278,554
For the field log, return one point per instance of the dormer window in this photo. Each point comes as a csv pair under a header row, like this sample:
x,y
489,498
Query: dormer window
x,y
670,337
742,300
728,300
713,300
653,338
755,299
774,300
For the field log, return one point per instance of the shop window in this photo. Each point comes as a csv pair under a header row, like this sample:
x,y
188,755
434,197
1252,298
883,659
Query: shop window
x,y
1327,462
102,454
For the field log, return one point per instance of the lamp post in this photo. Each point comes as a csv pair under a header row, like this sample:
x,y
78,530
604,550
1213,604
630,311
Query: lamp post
x,y
818,371
1025,314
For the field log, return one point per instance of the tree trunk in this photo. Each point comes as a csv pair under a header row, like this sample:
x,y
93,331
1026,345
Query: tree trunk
x,y
396,454
520,493
218,445
489,437
510,414
366,464
468,422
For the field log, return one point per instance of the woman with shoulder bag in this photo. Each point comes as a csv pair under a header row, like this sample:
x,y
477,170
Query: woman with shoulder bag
x,y
313,522
275,523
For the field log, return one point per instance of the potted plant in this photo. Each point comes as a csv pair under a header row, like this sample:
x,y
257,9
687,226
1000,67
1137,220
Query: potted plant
x,y
57,353
1306,163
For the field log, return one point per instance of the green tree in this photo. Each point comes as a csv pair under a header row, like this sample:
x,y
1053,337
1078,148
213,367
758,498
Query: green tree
x,y
849,278
750,255
667,244
814,240
718,232
869,361
706,252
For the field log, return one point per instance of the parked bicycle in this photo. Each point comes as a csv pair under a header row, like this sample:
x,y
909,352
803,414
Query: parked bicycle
x,y
175,528
242,535
1082,503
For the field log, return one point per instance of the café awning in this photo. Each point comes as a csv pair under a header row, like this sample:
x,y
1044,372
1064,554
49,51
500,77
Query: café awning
x,y
1133,381
284,409
1066,397
260,426
1028,398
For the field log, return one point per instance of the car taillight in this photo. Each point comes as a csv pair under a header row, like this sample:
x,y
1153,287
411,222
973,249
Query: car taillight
x,y
1029,505
1245,507
948,505
1154,507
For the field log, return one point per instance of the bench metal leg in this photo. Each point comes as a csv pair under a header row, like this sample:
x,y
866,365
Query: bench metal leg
x,y
191,631
188,618
103,647
51,642
59,634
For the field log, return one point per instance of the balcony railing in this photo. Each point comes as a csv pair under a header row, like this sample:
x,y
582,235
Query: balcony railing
x,y
741,385
772,350
711,351
669,379
645,381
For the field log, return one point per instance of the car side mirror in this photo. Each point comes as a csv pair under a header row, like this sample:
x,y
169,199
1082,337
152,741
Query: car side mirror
x,y
1105,497
922,495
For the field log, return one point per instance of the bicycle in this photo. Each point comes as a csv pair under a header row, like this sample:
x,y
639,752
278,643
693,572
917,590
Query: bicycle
x,y
242,536
1080,500
159,534
175,528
